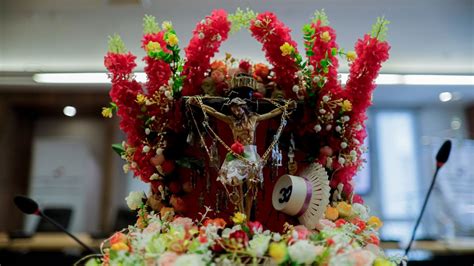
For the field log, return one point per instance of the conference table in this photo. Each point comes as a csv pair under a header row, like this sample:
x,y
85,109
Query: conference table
x,y
59,241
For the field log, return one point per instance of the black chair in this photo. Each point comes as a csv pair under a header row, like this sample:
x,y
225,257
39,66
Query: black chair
x,y
60,215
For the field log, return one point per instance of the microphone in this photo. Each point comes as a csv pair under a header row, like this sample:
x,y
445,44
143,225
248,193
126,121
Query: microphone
x,y
441,158
29,206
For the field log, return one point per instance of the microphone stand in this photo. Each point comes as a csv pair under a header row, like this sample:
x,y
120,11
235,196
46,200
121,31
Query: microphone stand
x,y
422,210
53,222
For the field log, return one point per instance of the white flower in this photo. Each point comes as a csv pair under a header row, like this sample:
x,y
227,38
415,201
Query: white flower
x,y
168,94
154,176
126,168
159,151
322,111
146,149
343,145
218,37
316,79
310,68
201,35
317,128
302,252
338,129
259,245
341,160
326,98
299,74
147,131
134,199
328,127
171,82
276,237
346,118
361,211
190,260
296,88
358,127
353,153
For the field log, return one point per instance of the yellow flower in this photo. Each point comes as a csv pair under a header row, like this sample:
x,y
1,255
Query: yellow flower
x,y
383,262
239,218
351,56
278,252
375,221
344,209
153,47
119,246
346,106
166,25
172,40
325,36
141,99
107,112
287,49
331,213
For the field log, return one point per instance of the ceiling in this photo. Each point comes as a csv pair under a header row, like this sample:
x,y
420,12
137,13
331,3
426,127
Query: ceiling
x,y
426,36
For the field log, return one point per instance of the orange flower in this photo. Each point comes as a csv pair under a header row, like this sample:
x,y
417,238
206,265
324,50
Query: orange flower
x,y
219,65
332,213
344,209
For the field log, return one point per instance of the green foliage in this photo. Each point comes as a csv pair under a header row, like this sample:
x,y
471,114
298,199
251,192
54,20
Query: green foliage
x,y
116,45
241,19
118,148
150,25
321,16
379,29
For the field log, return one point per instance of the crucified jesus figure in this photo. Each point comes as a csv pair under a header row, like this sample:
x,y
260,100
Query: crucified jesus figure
x,y
243,124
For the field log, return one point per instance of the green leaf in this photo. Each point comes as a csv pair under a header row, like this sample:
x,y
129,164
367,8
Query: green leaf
x,y
320,15
229,157
379,29
334,51
150,25
241,19
116,45
118,148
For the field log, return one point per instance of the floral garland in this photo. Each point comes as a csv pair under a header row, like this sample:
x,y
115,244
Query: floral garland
x,y
347,236
205,42
273,34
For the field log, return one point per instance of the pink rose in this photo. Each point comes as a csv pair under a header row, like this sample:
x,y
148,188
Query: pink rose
x,y
185,222
167,258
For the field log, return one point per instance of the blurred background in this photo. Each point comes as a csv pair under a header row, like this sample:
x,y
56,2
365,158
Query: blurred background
x,y
56,145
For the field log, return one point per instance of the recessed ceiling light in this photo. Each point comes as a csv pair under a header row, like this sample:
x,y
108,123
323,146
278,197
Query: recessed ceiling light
x,y
445,96
69,111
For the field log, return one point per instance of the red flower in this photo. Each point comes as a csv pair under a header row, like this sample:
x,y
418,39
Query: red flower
x,y
340,222
167,166
373,239
245,66
240,237
205,42
330,241
272,34
361,225
255,227
218,222
357,199
237,147
118,237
